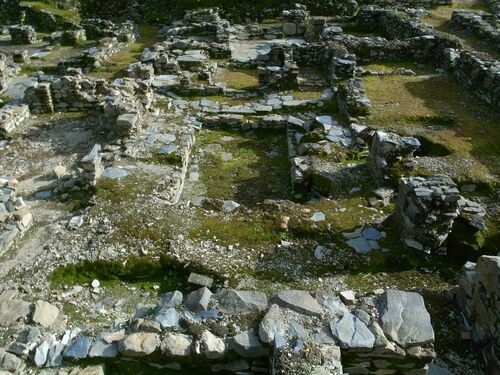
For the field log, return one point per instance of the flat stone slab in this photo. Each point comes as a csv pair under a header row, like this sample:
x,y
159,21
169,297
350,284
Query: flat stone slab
x,y
115,173
351,332
299,301
405,319
12,310
233,301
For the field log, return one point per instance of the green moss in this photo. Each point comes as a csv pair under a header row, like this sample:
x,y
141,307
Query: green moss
x,y
257,170
141,272
172,159
254,230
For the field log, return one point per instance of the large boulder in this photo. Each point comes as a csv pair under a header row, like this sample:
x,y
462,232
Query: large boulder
x,y
404,318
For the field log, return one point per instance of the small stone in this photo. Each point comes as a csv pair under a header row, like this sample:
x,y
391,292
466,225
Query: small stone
x,y
200,280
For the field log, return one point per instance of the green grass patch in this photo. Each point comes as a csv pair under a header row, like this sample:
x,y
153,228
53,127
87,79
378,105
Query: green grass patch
x,y
64,13
141,272
254,230
239,79
258,168
439,17
442,109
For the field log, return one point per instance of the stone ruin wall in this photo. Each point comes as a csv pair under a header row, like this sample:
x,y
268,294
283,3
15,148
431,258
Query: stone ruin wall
x,y
478,296
78,93
481,75
477,23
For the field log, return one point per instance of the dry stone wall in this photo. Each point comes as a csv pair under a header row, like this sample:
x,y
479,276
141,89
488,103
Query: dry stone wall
x,y
15,217
477,23
12,116
478,296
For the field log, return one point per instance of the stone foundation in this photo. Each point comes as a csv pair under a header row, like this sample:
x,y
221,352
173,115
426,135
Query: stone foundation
x,y
352,98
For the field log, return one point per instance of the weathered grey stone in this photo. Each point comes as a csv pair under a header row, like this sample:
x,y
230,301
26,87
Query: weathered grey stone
x,y
199,299
139,344
168,318
299,301
101,349
212,346
78,348
200,280
168,300
176,345
12,310
41,354
45,313
272,324
352,333
92,370
488,272
247,345
404,318
233,301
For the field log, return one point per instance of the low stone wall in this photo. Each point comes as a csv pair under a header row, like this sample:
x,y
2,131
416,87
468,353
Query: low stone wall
x,y
482,76
292,332
399,25
95,28
387,151
476,23
478,295
495,7
295,21
43,20
9,11
352,98
22,35
12,116
78,93
15,217
7,70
